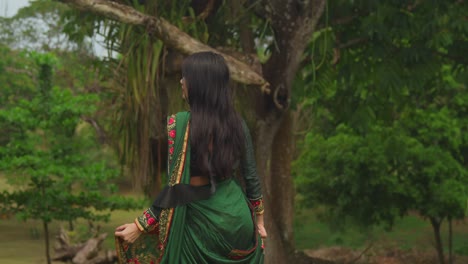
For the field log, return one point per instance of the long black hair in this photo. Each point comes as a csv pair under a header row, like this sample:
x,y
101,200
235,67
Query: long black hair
x,y
216,133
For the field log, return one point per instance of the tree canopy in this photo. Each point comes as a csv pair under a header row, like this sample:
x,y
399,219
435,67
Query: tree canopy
x,y
389,110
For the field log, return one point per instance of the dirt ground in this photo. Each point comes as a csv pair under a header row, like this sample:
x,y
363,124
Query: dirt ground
x,y
372,255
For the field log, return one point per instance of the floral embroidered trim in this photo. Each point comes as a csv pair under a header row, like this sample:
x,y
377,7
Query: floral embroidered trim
x,y
181,159
240,254
257,204
171,133
147,221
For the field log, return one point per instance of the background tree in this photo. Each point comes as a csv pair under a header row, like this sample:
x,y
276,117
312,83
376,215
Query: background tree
x,y
53,167
387,109
38,26
18,78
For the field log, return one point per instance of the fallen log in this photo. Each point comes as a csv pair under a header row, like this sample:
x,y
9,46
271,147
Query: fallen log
x,y
63,250
107,257
88,252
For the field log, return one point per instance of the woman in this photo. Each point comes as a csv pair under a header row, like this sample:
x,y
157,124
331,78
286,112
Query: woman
x,y
203,215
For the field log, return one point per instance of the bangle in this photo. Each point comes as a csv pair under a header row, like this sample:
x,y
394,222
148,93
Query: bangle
x,y
257,205
140,228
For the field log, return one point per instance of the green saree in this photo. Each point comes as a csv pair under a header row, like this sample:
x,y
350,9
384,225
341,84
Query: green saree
x,y
220,229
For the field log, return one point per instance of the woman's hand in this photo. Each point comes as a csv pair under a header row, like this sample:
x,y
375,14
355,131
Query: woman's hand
x,y
262,231
128,232
261,227
263,234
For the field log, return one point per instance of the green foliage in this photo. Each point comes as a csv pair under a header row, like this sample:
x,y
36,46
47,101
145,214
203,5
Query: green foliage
x,y
377,54
382,175
389,111
16,76
50,164
351,175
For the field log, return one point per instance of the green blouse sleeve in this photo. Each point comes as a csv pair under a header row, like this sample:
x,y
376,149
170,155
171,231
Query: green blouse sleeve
x,y
249,173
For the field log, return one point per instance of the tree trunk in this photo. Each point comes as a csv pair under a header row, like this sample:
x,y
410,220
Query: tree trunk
x,y
450,240
264,140
440,250
46,237
282,200
275,138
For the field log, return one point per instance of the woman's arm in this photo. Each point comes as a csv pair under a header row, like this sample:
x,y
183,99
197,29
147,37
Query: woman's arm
x,y
252,182
249,173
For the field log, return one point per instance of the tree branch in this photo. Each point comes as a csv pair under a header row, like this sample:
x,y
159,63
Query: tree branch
x,y
207,11
171,35
292,35
353,42
99,130
461,60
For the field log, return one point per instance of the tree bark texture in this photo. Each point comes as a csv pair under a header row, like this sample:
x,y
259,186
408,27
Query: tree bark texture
x,y
279,190
46,237
88,252
450,241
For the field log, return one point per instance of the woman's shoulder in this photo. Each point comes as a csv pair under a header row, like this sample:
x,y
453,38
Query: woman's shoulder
x,y
179,116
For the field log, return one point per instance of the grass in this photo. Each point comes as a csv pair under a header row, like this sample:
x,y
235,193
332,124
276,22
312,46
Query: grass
x,y
23,242
410,232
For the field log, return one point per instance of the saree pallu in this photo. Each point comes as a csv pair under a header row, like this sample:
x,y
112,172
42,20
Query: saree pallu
x,y
220,229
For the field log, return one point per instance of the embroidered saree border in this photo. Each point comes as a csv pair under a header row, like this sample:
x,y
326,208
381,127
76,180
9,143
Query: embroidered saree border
x,y
171,135
166,216
120,250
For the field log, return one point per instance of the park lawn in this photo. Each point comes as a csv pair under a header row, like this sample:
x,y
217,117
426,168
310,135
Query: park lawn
x,y
409,232
23,242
